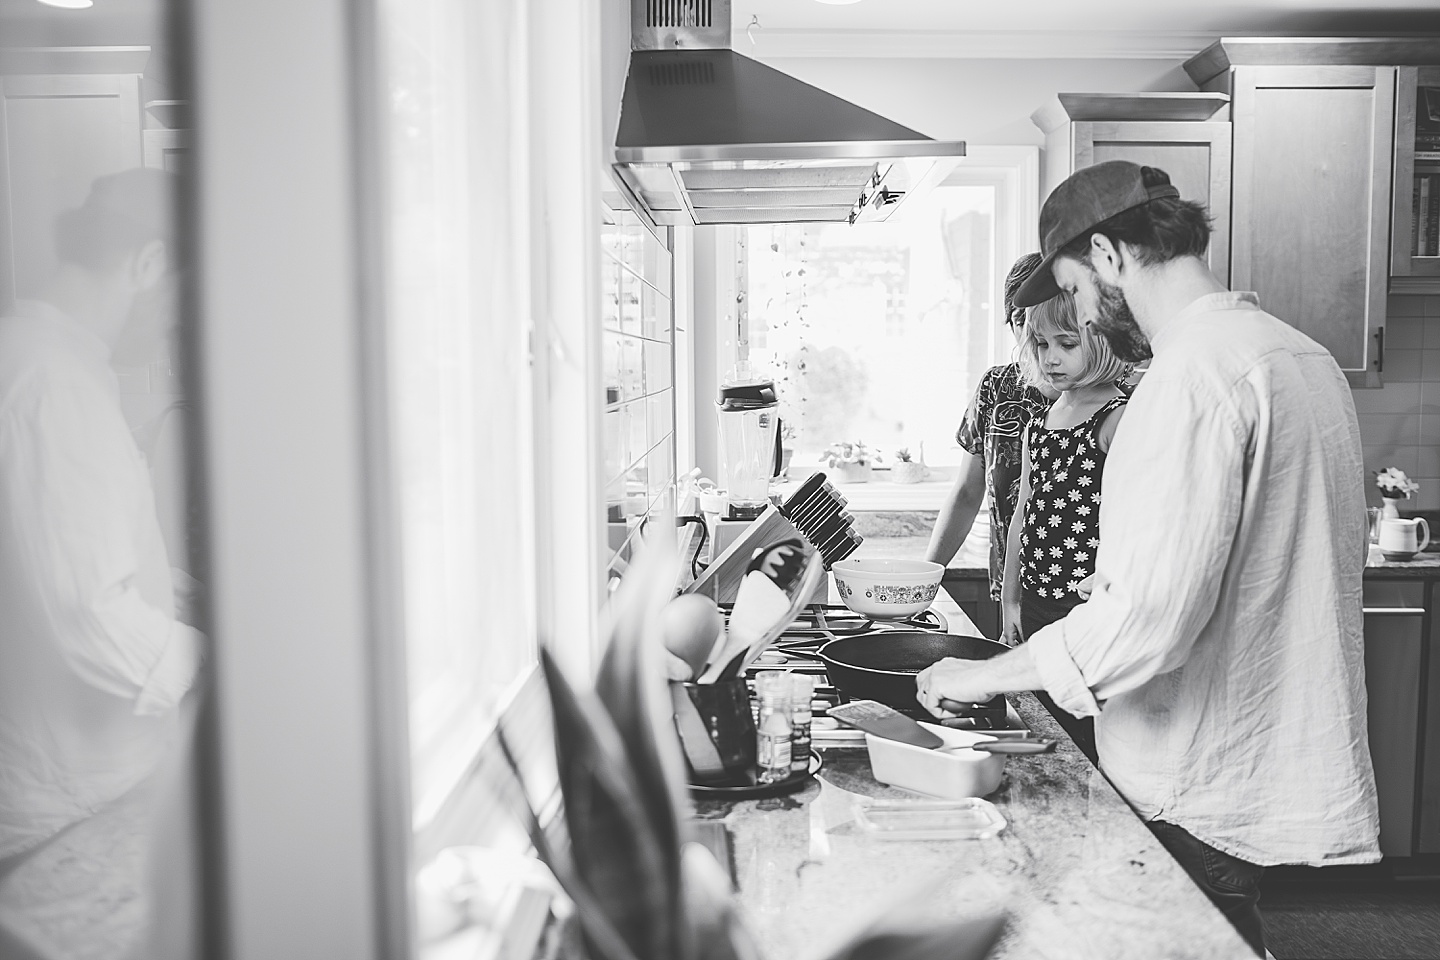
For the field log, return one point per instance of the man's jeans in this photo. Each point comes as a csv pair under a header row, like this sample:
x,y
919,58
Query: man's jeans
x,y
1232,884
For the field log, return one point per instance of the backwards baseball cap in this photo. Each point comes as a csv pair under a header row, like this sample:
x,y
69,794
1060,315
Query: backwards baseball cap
x,y
142,197
121,211
1086,199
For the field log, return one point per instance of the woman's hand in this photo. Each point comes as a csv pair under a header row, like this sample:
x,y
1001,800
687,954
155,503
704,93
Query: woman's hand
x,y
1010,633
951,679
1085,587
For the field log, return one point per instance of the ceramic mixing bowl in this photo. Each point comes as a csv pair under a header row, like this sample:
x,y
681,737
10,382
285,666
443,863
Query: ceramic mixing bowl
x,y
887,589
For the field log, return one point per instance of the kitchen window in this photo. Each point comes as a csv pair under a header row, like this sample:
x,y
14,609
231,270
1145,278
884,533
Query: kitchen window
x,y
880,332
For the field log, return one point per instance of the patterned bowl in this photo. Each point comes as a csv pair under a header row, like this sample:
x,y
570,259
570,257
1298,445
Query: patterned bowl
x,y
887,589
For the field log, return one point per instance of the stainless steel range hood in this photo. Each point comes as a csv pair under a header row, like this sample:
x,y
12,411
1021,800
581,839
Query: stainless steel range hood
x,y
708,136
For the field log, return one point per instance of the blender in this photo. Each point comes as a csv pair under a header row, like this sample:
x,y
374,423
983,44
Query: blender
x,y
749,442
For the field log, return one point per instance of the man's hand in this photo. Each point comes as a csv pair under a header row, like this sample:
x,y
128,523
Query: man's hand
x,y
951,679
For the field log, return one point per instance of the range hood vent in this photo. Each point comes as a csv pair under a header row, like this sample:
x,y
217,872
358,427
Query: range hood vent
x,y
708,136
679,13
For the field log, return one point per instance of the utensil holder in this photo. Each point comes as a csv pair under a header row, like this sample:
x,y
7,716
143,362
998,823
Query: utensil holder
x,y
717,731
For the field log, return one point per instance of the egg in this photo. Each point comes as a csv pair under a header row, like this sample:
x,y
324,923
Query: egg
x,y
690,625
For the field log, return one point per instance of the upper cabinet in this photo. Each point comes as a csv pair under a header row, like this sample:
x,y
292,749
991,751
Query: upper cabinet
x,y
1415,240
1315,163
67,116
1312,200
1185,134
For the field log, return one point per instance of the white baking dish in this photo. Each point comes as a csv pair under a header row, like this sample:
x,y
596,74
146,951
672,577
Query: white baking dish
x,y
945,772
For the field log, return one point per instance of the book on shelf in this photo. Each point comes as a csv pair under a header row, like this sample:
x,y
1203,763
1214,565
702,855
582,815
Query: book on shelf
x,y
1422,216
1427,156
1433,218
1415,219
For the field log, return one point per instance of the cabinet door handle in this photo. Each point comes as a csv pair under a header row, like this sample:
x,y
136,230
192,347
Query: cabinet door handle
x,y
1379,349
1393,611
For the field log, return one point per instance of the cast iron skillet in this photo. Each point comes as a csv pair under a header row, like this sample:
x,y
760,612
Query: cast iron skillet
x,y
882,666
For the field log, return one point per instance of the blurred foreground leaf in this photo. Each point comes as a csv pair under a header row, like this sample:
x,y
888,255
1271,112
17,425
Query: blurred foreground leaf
x,y
631,684
970,939
614,847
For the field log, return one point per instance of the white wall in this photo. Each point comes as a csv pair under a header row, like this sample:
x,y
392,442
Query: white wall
x,y
978,101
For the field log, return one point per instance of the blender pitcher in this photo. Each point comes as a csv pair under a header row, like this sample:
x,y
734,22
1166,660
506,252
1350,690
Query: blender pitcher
x,y
748,434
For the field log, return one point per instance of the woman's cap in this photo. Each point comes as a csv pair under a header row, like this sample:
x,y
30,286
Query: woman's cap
x,y
1086,199
1018,274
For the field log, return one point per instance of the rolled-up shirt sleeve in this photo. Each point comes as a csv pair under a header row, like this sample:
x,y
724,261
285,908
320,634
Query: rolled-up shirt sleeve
x,y
81,515
1172,492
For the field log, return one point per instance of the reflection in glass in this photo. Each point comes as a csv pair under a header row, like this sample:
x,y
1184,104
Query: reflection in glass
x,y
99,648
877,332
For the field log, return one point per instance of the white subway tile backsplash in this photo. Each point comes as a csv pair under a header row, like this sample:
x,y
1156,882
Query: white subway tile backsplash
x,y
1403,333
1428,461
1405,306
1392,398
1391,429
1406,458
1429,496
1402,366
1400,423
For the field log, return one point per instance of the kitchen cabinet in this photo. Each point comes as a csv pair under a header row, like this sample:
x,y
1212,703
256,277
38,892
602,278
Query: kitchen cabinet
x,y
1428,828
1186,135
1315,160
67,116
1311,220
166,136
1417,158
1395,625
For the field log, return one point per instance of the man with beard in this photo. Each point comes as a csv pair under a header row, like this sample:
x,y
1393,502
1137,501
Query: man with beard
x,y
1221,651
95,657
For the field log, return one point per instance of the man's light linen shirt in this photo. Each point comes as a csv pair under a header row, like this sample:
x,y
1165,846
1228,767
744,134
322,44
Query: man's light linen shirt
x,y
1225,634
92,659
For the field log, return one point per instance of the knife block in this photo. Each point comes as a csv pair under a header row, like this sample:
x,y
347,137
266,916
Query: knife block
x,y
721,580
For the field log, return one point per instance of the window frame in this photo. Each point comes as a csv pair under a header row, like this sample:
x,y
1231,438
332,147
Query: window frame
x,y
1014,173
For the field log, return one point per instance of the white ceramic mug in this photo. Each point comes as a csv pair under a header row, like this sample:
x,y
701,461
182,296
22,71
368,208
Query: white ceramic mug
x,y
1402,536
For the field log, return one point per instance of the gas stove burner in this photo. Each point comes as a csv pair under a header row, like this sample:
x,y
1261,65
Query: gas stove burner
x,y
831,621
818,624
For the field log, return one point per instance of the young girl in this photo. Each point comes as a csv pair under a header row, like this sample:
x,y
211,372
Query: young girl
x,y
1056,526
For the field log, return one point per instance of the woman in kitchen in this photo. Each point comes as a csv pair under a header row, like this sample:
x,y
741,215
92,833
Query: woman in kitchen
x,y
990,437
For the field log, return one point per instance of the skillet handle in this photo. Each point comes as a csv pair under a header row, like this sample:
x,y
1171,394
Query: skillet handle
x,y
1015,746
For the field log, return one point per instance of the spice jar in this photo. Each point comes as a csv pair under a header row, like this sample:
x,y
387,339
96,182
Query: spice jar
x,y
773,728
802,687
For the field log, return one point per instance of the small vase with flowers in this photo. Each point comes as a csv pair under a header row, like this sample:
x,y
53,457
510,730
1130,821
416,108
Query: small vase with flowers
x,y
1394,486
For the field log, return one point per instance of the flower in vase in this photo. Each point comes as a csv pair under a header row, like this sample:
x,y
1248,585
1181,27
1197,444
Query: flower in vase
x,y
1394,485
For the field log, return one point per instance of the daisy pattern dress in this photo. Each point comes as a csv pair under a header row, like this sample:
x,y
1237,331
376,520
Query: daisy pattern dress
x,y
1062,517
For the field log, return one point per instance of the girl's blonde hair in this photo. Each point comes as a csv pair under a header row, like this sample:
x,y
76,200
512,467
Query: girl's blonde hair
x,y
1057,315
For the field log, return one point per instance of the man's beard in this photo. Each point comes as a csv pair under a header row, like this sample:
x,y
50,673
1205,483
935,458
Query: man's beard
x,y
1117,324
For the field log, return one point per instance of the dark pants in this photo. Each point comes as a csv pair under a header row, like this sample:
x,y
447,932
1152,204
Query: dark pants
x,y
1035,613
1232,884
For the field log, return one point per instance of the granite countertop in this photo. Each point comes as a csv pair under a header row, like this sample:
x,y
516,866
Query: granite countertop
x,y
1078,873
1425,566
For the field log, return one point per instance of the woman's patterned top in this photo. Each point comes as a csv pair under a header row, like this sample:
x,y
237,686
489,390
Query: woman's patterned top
x,y
1062,516
992,429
